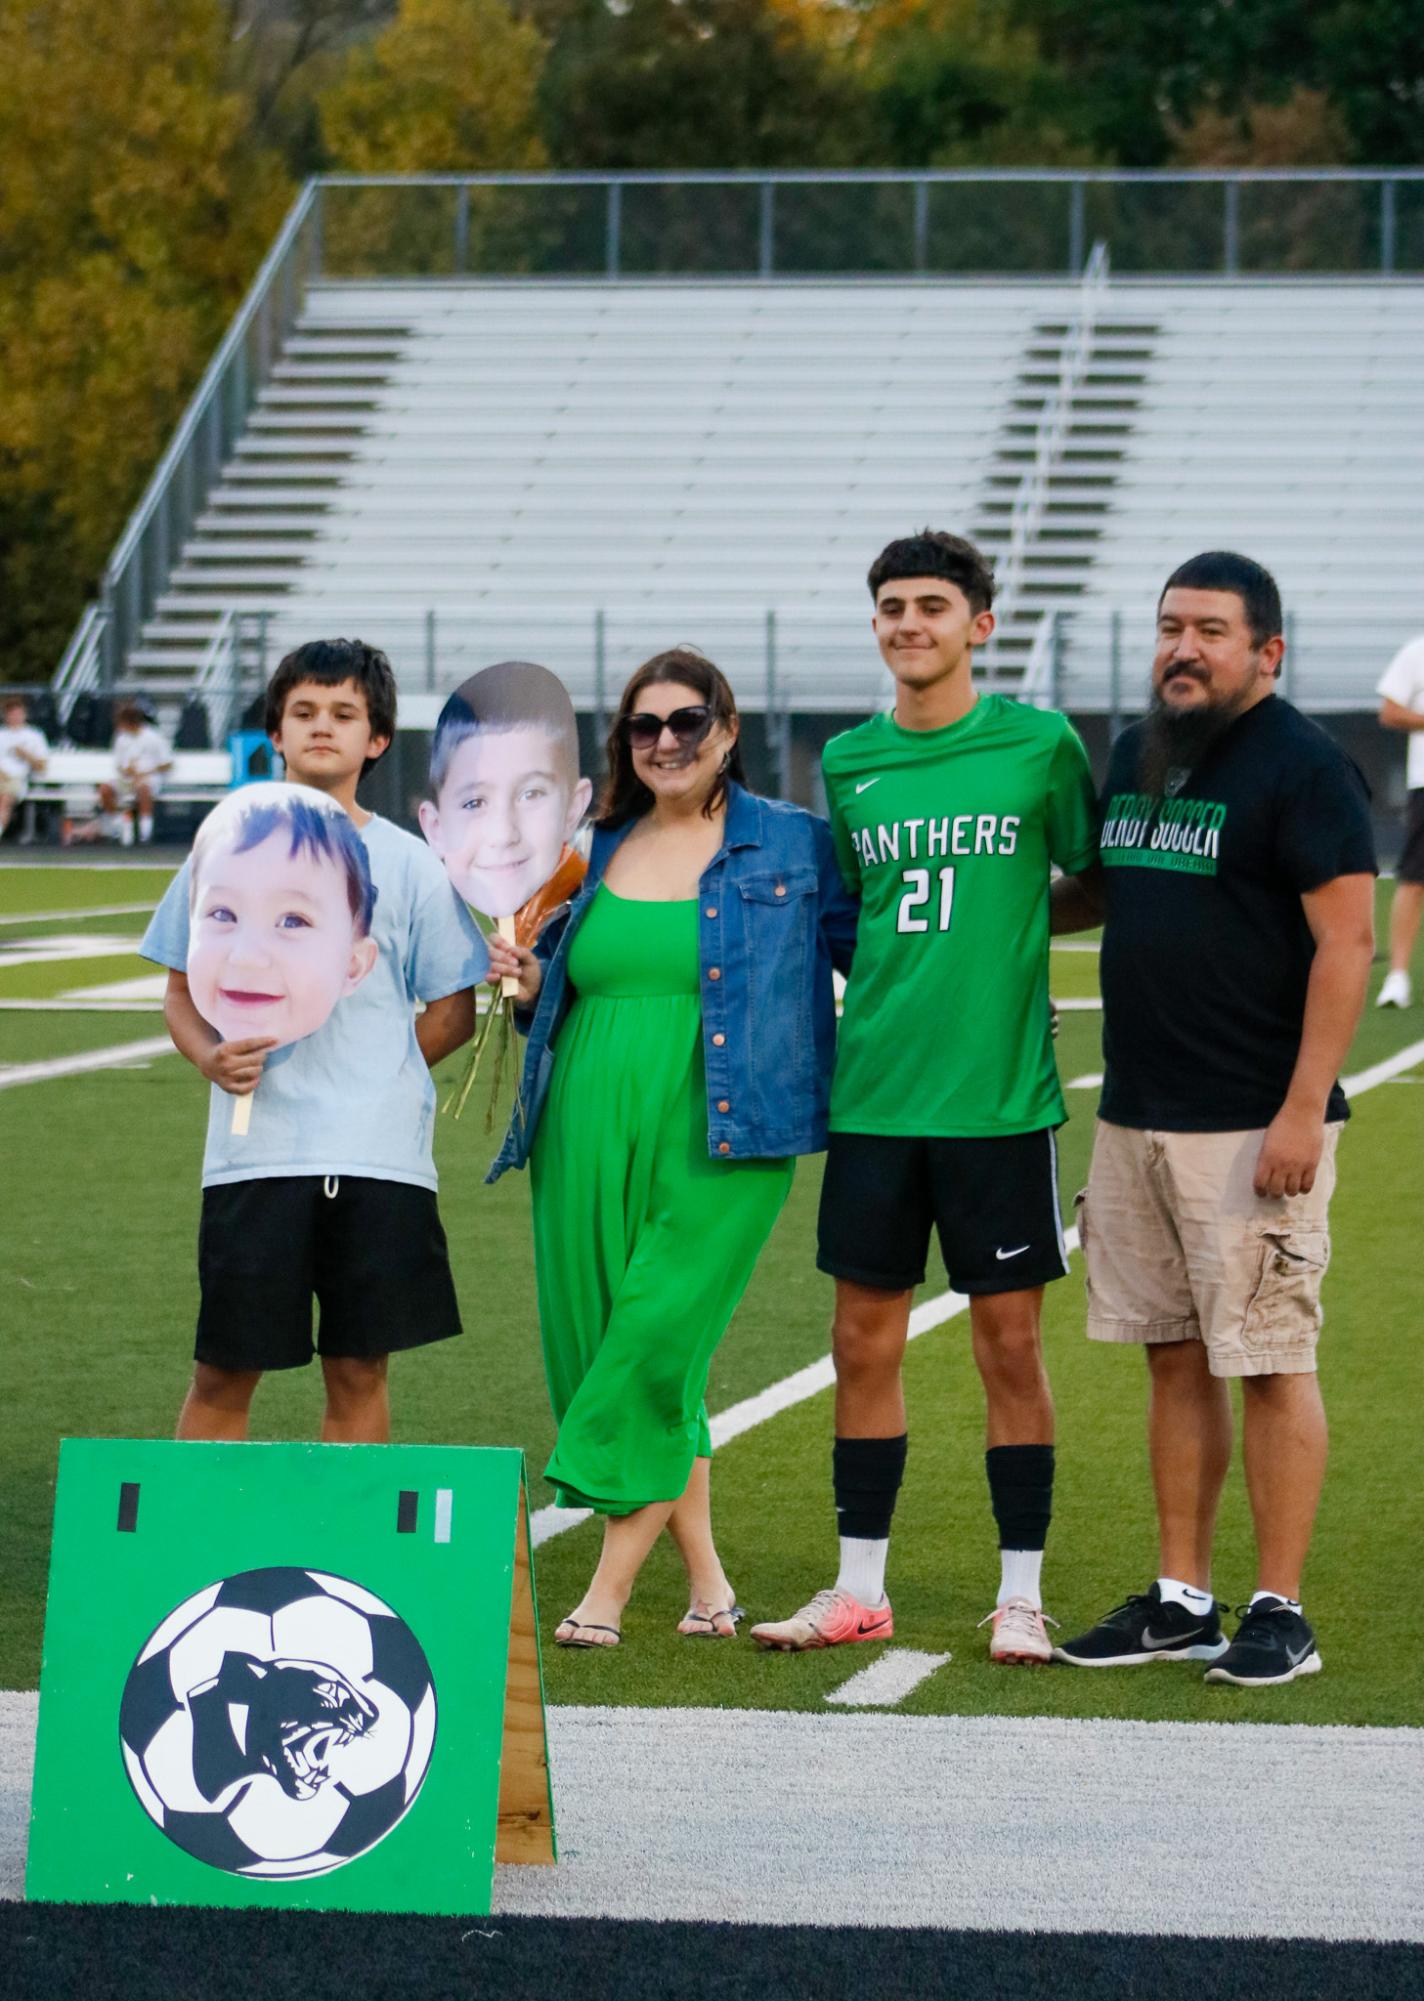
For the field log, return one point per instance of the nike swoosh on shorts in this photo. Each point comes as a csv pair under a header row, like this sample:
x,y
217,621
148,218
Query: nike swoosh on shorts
x,y
1001,1255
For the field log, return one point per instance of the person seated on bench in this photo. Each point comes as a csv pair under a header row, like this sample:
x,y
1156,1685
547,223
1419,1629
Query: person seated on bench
x,y
24,754
141,757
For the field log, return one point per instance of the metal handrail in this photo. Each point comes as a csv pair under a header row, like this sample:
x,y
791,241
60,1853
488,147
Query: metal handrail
x,y
216,412
79,669
1054,423
216,682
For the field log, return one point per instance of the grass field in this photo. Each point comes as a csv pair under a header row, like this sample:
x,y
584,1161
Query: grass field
x,y
99,1290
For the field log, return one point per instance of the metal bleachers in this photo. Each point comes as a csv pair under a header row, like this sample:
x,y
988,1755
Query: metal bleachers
x,y
584,471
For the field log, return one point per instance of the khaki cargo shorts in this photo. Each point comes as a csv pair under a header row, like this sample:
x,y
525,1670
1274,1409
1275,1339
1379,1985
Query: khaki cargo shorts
x,y
1179,1247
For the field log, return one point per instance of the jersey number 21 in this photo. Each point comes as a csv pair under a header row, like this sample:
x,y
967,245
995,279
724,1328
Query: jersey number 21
x,y
917,895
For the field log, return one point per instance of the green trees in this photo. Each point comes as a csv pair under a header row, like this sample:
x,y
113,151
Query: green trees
x,y
148,148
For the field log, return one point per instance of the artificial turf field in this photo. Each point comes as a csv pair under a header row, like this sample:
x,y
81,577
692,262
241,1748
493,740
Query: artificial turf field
x,y
101,1207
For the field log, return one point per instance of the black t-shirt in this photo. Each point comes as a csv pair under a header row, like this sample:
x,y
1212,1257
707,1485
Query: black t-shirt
x,y
1206,951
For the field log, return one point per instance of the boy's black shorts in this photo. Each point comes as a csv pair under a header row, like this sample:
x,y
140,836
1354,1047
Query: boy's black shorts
x,y
372,1253
993,1201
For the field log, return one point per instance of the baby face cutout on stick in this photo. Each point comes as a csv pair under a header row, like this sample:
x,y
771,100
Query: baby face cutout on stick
x,y
506,795
279,913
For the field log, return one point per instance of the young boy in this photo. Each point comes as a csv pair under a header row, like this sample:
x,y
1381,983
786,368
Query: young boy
x,y
332,1191
504,772
142,758
279,912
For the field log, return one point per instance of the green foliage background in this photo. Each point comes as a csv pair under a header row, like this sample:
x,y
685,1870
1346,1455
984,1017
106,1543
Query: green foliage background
x,y
149,147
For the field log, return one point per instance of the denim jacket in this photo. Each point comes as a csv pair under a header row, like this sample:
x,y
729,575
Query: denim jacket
x,y
774,917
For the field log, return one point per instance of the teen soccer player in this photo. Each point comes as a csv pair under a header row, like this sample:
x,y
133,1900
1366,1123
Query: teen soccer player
x,y
946,814
332,1191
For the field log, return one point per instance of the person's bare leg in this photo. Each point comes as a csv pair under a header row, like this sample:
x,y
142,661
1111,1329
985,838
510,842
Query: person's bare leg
x,y
1189,1441
1008,1353
690,1526
7,807
358,1405
1285,1440
1405,910
217,1404
626,1542
868,1336
108,799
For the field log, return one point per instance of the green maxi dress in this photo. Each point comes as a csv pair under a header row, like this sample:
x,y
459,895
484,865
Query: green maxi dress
x,y
643,1244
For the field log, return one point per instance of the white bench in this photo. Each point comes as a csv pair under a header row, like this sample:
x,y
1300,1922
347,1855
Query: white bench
x,y
71,779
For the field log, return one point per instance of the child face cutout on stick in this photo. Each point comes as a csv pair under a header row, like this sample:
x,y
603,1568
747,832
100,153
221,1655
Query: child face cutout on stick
x,y
506,795
280,917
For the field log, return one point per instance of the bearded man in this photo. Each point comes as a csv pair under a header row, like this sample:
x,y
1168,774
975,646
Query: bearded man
x,y
1236,891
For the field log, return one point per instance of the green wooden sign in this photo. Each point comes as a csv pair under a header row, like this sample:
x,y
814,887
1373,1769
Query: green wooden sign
x,y
302,1677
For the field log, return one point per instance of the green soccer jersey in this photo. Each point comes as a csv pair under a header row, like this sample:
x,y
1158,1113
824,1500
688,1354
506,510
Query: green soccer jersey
x,y
946,836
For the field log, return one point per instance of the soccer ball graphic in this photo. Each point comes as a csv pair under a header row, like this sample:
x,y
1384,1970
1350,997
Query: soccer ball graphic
x,y
279,1723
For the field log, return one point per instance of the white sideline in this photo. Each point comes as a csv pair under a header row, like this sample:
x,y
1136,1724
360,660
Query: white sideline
x,y
990,1823
550,1521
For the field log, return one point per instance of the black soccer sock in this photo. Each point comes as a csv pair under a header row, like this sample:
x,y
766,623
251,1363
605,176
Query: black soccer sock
x,y
1021,1493
867,1473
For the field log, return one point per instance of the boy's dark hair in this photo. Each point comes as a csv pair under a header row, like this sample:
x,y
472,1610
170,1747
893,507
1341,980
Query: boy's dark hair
x,y
935,553
625,796
330,835
511,695
332,661
129,716
1224,570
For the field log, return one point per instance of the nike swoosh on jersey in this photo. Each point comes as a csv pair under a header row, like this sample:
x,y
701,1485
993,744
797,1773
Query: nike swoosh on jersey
x,y
1001,1255
864,785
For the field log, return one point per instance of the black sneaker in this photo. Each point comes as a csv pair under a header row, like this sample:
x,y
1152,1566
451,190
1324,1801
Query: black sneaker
x,y
1272,1644
1145,1629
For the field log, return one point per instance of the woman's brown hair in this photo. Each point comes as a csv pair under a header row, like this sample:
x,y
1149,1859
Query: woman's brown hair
x,y
625,796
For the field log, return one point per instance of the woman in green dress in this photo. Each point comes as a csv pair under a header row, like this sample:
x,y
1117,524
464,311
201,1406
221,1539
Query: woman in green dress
x,y
677,1063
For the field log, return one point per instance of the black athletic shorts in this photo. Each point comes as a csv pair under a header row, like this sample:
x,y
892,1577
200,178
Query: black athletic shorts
x,y
1411,860
993,1201
371,1253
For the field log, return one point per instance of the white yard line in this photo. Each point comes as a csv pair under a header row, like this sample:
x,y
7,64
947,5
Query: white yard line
x,y
114,1058
80,1007
550,1521
66,945
768,1403
897,1673
78,916
1091,1080
1380,1073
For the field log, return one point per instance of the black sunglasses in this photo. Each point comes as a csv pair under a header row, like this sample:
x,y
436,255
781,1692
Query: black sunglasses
x,y
688,726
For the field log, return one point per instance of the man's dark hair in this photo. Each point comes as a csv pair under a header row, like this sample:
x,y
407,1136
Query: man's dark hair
x,y
330,662
1224,570
933,553
625,796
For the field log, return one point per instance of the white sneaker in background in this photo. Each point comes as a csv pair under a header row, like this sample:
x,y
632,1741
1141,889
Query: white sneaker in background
x,y
1396,991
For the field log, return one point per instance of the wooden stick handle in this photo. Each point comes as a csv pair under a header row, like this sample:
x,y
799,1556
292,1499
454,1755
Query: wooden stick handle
x,y
241,1115
505,927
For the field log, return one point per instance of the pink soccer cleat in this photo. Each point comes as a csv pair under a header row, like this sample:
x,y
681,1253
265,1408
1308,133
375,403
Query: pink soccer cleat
x,y
832,1619
1020,1636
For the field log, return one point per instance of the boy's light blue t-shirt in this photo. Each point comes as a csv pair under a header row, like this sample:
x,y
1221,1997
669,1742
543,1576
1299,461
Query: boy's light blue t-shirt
x,y
355,1097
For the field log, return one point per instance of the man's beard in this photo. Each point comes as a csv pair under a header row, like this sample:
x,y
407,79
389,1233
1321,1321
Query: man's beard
x,y
1174,741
